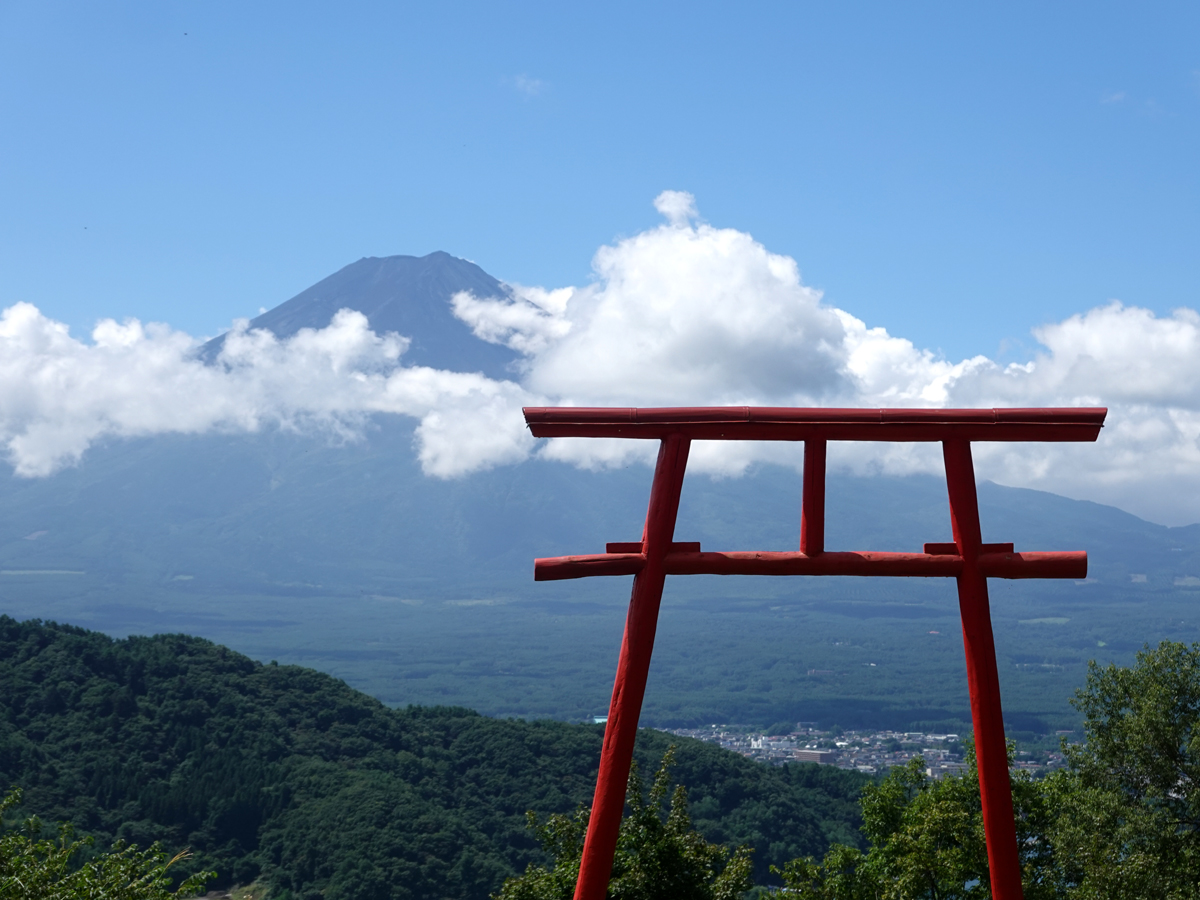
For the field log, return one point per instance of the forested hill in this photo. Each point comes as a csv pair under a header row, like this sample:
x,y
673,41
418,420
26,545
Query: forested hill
x,y
284,773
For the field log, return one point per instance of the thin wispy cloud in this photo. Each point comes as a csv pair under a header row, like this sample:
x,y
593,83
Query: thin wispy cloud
x,y
1114,97
528,85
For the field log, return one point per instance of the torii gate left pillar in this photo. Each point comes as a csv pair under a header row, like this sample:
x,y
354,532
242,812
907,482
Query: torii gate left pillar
x,y
657,555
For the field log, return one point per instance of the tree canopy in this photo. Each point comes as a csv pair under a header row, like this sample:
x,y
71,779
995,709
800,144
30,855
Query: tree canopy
x,y
659,855
288,775
1121,822
32,866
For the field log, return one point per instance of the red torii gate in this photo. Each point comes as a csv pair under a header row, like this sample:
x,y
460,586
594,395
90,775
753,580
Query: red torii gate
x,y
657,555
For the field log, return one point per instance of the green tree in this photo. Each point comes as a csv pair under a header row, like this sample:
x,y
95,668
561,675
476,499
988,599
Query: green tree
x,y
36,868
1127,822
926,842
1121,822
658,857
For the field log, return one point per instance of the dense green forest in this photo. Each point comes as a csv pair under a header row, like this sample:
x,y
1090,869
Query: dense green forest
x,y
286,774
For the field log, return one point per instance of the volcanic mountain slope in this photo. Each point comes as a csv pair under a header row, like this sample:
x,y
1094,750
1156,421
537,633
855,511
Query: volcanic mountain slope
x,y
345,556
409,295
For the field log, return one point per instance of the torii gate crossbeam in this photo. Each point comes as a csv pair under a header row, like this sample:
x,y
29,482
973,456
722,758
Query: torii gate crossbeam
x,y
657,555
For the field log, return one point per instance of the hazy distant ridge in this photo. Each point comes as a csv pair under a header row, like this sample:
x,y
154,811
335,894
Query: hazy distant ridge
x,y
345,556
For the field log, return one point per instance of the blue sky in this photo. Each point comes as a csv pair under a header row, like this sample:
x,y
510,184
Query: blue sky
x,y
956,175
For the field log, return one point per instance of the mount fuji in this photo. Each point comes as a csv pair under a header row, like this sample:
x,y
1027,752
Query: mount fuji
x,y
343,555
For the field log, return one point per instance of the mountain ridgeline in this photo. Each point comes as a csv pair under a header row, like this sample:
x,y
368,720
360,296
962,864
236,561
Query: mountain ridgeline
x,y
344,556
405,294
286,775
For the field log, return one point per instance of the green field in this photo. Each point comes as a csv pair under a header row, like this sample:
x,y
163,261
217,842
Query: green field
x,y
895,659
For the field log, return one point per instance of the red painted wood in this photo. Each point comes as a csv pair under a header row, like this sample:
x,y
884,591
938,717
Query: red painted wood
x,y
812,503
636,547
1002,564
983,681
747,423
629,688
968,560
909,433
819,415
564,568
952,549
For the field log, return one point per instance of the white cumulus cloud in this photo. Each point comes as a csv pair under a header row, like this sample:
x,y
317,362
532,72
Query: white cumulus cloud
x,y
691,314
528,322
684,313
58,395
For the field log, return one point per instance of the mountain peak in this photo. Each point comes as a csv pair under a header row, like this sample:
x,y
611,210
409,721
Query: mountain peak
x,y
406,294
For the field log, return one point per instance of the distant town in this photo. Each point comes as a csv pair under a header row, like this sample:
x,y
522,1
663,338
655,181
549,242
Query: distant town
x,y
870,752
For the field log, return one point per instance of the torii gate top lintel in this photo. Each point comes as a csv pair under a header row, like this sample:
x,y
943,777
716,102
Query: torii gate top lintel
x,y
772,423
970,561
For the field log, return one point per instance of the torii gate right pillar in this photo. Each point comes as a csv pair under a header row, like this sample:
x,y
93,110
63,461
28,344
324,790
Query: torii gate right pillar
x,y
983,682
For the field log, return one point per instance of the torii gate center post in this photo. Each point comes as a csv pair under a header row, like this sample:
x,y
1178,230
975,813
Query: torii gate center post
x,y
657,555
